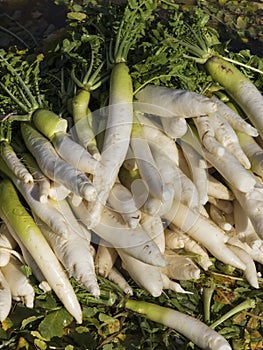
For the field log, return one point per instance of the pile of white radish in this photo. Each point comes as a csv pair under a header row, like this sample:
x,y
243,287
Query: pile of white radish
x,y
178,181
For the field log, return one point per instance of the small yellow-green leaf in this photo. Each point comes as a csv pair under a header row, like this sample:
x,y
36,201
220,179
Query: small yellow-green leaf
x,y
78,16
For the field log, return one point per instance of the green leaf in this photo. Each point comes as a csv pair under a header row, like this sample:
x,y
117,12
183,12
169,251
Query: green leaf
x,y
79,16
29,320
54,323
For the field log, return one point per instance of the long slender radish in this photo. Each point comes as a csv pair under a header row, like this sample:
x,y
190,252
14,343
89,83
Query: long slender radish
x,y
15,216
135,242
227,137
116,277
250,272
234,119
42,181
204,231
5,298
46,211
198,172
78,156
166,102
19,284
14,163
219,217
192,328
253,151
227,165
252,204
172,285
54,167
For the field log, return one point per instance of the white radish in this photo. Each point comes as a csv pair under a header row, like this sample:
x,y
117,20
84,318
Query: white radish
x,y
74,153
195,330
5,298
54,167
121,200
19,284
167,102
204,231
146,276
135,242
105,258
17,219
235,120
116,277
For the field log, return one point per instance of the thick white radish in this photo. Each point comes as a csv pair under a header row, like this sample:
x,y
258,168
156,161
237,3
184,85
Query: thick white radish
x,y
116,277
180,267
167,102
54,167
239,87
189,245
198,172
235,120
146,276
74,153
147,168
116,138
105,258
135,242
205,232
228,139
19,284
250,272
195,330
122,201
17,218
174,127
5,298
